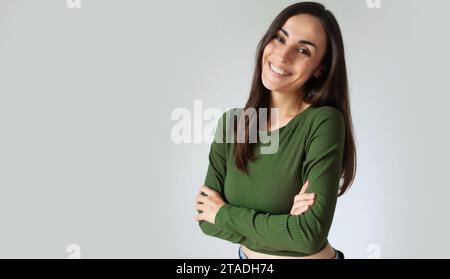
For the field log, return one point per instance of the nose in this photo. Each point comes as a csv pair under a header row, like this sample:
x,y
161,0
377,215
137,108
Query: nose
x,y
283,54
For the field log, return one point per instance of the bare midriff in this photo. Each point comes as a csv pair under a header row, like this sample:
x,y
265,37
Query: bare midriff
x,y
326,253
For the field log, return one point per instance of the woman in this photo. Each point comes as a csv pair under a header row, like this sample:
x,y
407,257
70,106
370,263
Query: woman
x,y
281,205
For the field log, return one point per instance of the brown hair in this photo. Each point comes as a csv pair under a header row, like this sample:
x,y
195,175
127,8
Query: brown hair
x,y
331,88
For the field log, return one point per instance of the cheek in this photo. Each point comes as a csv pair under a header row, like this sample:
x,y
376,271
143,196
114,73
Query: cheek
x,y
303,72
270,47
268,50
304,67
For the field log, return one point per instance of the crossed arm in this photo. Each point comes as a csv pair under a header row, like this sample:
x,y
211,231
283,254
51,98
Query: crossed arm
x,y
305,233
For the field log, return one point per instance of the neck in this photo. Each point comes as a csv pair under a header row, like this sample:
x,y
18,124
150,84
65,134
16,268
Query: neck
x,y
288,103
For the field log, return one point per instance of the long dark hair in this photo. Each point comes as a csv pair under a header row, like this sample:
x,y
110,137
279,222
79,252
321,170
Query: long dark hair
x,y
330,88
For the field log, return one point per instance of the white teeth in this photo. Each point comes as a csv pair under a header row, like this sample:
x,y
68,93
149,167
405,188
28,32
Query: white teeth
x,y
278,71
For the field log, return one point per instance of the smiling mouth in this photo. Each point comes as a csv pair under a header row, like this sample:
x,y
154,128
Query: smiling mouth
x,y
277,71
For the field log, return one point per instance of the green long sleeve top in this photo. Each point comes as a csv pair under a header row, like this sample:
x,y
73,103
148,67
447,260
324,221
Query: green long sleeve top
x,y
256,213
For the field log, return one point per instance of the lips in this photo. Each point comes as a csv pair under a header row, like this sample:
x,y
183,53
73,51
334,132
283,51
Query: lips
x,y
278,71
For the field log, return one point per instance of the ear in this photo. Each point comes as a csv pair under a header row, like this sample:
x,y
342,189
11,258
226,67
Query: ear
x,y
318,72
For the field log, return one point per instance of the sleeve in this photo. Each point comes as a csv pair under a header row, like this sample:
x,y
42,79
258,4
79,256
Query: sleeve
x,y
306,233
215,179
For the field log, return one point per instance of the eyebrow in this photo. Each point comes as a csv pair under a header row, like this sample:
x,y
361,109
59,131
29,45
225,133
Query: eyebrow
x,y
305,42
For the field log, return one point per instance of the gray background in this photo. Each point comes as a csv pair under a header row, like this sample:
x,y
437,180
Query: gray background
x,y
86,96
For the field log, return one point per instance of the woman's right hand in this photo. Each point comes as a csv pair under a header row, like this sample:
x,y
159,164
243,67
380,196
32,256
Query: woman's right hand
x,y
302,201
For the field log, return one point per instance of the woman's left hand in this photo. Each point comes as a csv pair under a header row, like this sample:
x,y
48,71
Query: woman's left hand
x,y
209,205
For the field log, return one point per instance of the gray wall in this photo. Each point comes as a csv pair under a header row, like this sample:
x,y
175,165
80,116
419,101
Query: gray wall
x,y
86,97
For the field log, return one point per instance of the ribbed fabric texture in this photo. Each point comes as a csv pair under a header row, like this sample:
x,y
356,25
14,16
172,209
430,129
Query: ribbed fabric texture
x,y
256,213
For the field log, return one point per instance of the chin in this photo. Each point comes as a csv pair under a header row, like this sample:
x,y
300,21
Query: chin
x,y
270,85
267,85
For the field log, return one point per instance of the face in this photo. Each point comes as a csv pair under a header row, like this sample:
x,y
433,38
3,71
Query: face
x,y
294,55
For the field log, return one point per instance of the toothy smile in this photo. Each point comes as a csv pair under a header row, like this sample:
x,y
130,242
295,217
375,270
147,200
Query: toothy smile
x,y
278,70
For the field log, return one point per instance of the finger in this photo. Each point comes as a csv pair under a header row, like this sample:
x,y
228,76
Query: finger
x,y
199,206
200,191
306,202
301,205
305,208
300,210
198,217
297,207
208,191
200,198
297,212
304,197
304,187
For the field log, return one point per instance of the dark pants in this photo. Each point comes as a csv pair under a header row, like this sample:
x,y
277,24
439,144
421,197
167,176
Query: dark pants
x,y
339,254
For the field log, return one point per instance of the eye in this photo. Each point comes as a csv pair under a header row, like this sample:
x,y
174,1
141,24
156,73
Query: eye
x,y
304,51
278,38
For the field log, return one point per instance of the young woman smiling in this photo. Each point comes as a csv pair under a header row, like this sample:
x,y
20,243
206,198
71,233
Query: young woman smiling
x,y
282,205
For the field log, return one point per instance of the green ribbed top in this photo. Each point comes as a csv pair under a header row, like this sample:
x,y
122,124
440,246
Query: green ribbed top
x,y
256,213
